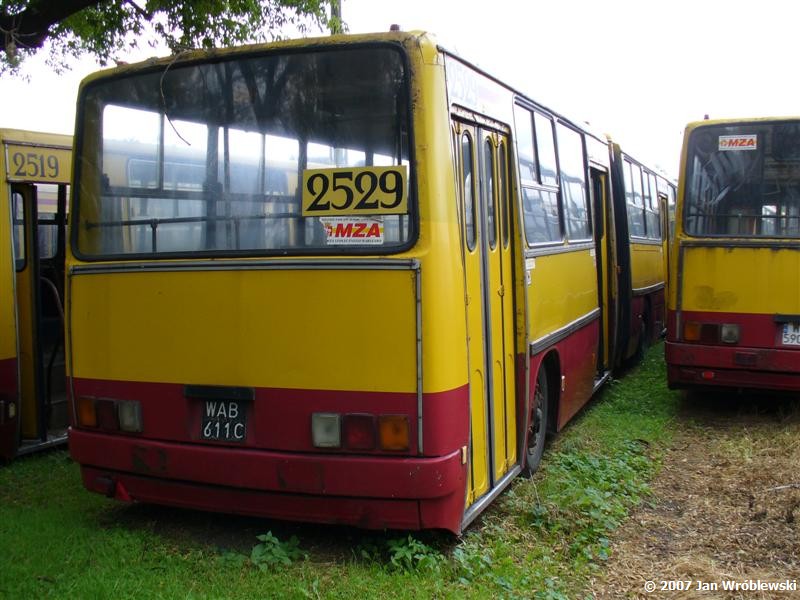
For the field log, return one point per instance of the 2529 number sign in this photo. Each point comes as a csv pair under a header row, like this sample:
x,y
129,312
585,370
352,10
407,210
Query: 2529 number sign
x,y
355,191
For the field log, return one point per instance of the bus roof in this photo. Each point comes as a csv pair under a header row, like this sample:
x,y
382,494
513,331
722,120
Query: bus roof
x,y
738,120
35,138
426,41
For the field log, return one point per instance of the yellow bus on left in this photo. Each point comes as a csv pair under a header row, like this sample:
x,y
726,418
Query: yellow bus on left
x,y
33,207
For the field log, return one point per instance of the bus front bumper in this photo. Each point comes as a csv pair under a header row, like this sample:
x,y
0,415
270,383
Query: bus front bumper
x,y
374,492
697,365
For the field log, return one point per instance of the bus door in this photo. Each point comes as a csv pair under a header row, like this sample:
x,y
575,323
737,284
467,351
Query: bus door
x,y
487,250
606,276
39,236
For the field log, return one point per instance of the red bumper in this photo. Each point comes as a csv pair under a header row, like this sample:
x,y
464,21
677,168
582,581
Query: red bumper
x,y
370,492
694,365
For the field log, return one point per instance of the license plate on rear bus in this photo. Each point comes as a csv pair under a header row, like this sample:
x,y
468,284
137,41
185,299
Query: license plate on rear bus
x,y
791,334
224,421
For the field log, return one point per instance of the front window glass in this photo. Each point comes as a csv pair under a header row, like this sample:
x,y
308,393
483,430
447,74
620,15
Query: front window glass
x,y
744,180
306,151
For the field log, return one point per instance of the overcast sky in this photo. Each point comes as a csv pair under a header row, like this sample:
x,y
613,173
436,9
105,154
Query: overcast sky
x,y
637,69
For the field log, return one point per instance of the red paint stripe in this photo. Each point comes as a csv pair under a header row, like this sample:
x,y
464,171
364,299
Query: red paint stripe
x,y
577,356
8,392
280,419
8,377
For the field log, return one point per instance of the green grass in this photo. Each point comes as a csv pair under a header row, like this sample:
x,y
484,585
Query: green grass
x,y
542,538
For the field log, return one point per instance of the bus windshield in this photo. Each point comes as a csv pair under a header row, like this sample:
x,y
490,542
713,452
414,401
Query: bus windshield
x,y
214,157
743,180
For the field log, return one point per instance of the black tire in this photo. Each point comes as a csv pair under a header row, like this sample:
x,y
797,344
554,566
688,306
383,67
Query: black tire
x,y
641,346
537,424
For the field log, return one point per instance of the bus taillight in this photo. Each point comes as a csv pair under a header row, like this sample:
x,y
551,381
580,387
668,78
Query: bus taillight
x,y
130,415
711,333
359,431
326,430
110,415
393,432
87,417
729,333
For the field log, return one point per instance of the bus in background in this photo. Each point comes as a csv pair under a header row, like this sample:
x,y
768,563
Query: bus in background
x,y
734,302
641,195
36,168
346,280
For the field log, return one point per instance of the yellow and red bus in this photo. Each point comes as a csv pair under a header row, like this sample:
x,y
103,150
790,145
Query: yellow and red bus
x,y
734,299
346,280
36,168
642,198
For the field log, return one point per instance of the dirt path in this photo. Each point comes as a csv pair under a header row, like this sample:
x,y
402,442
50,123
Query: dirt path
x,y
725,507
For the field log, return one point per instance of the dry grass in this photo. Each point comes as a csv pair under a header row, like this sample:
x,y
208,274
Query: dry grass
x,y
725,506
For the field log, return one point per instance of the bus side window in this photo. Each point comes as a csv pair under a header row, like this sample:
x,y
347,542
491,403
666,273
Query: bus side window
x,y
573,183
525,149
18,212
502,189
468,181
488,183
653,209
546,149
633,198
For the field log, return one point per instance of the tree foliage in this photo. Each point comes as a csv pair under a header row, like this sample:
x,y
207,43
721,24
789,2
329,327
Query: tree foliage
x,y
107,29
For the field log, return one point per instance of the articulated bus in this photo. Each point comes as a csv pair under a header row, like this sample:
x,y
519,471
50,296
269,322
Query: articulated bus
x,y
345,280
734,278
36,168
642,198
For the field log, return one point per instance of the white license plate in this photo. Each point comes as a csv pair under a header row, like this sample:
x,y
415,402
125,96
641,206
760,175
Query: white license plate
x,y
791,334
224,421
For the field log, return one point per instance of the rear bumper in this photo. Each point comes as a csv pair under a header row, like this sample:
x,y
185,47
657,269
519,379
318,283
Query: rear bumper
x,y
695,365
370,492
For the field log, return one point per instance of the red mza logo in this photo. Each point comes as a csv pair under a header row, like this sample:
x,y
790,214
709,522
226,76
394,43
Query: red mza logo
x,y
344,231
738,142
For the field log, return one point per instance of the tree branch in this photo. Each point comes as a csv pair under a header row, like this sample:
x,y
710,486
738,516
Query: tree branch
x,y
30,27
145,14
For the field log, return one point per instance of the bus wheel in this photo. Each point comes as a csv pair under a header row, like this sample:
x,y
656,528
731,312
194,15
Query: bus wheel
x,y
537,424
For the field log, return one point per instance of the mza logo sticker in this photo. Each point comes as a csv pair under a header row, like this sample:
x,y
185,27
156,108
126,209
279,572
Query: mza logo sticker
x,y
343,231
738,142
